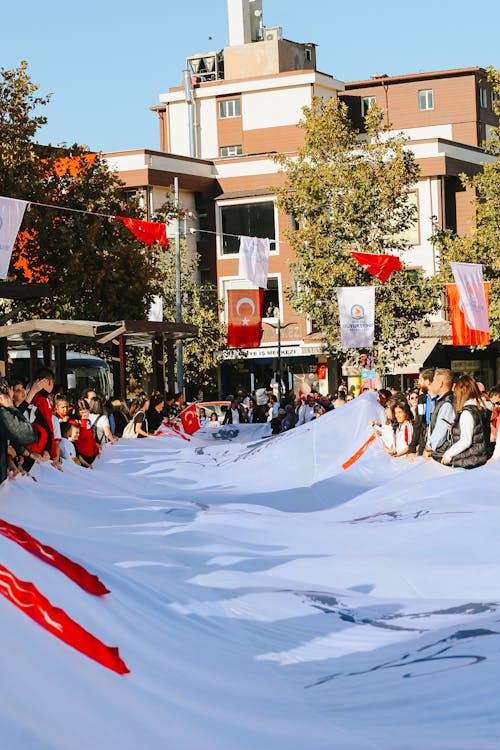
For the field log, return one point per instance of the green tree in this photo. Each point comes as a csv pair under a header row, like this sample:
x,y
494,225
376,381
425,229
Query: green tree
x,y
94,267
482,243
350,193
200,307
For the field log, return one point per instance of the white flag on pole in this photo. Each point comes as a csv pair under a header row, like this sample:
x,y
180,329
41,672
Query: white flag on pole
x,y
469,280
11,216
357,315
254,260
156,309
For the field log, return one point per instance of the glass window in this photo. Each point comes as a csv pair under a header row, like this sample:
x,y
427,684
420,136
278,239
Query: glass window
x,y
426,99
247,219
230,151
271,299
483,98
366,103
230,108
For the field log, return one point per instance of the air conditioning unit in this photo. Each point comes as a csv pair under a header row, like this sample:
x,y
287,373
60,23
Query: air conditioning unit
x,y
273,33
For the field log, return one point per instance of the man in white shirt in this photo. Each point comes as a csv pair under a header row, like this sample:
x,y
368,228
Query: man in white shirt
x,y
306,411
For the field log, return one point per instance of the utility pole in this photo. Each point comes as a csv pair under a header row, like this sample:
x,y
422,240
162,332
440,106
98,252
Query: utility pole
x,y
278,328
178,298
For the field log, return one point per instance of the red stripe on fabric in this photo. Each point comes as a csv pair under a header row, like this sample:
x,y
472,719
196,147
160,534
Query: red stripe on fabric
x,y
26,597
350,461
71,569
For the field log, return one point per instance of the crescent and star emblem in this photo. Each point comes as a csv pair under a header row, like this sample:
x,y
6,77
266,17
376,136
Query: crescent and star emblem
x,y
243,301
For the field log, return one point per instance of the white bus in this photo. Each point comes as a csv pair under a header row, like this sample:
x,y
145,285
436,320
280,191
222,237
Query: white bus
x,y
82,371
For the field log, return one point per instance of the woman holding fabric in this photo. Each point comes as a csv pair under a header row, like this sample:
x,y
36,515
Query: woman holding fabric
x,y
470,432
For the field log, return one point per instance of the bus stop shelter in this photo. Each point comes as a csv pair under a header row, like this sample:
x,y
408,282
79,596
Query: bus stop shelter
x,y
53,336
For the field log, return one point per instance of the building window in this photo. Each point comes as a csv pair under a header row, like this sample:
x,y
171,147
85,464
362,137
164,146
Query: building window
x,y
272,299
483,98
366,103
247,219
426,99
230,151
230,108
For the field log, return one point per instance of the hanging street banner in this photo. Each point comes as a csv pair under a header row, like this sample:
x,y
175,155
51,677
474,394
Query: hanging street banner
x,y
253,260
357,316
11,216
469,280
462,334
146,231
245,307
378,265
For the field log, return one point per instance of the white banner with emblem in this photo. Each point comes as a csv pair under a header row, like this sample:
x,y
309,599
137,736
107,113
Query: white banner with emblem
x,y
357,315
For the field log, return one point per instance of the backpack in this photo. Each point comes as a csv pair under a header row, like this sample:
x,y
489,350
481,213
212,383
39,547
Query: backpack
x,y
98,432
129,431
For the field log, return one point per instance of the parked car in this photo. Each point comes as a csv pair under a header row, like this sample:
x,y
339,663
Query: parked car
x,y
219,407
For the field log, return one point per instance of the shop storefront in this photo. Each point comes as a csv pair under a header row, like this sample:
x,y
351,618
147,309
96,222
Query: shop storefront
x,y
302,367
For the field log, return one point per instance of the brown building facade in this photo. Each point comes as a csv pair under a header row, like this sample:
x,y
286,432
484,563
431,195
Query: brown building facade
x,y
240,105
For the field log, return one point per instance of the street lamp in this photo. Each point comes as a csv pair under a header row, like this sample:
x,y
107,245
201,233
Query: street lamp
x,y
278,328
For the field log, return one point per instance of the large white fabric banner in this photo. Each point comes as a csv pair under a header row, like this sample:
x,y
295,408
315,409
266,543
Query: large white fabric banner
x,y
254,260
11,216
469,280
357,315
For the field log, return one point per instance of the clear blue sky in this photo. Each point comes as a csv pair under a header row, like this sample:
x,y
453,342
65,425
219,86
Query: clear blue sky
x,y
107,62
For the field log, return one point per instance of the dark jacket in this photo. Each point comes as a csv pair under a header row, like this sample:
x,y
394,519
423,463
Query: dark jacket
x,y
419,427
14,429
438,453
228,417
477,453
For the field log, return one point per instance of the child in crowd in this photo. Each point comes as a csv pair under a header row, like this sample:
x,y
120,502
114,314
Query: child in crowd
x,y
385,431
214,422
86,446
404,429
70,432
62,409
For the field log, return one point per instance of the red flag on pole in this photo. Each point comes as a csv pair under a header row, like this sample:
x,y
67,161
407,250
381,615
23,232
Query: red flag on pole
x,y
377,265
147,231
73,570
29,600
462,334
245,308
189,419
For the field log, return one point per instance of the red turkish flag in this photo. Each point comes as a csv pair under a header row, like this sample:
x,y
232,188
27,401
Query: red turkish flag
x,y
377,265
245,308
29,600
73,570
462,334
189,419
147,231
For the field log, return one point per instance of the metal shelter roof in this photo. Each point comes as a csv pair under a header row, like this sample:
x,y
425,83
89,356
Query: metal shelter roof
x,y
55,331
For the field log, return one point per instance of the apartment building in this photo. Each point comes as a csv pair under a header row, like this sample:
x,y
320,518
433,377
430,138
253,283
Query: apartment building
x,y
235,107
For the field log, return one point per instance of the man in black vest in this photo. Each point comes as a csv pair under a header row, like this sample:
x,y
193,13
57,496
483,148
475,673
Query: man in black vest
x,y
443,415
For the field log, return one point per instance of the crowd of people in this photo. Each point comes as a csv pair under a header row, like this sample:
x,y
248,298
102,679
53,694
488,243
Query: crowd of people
x,y
285,412
451,421
40,423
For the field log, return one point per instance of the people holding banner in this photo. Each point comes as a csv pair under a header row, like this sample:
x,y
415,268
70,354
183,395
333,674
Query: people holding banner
x,y
404,428
470,431
443,414
425,406
16,433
